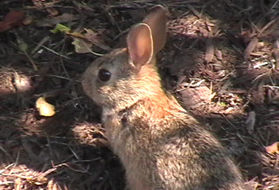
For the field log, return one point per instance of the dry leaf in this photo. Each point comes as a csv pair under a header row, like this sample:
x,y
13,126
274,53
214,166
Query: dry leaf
x,y
81,46
95,39
45,108
52,11
273,149
193,97
12,19
250,48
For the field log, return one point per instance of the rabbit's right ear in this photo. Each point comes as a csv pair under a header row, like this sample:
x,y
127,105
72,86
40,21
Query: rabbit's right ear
x,y
156,20
140,45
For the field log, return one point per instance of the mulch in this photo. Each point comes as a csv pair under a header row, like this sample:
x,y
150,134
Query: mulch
x,y
221,61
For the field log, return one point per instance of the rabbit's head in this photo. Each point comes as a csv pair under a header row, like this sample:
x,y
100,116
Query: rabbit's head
x,y
122,77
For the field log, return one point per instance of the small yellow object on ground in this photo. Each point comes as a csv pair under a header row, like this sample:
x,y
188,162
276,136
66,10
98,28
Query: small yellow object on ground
x,y
45,108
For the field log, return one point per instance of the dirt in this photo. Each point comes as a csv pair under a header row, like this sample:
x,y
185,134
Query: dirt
x,y
221,62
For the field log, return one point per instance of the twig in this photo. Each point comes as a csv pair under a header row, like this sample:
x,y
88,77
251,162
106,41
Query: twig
x,y
267,26
7,167
44,40
6,182
56,53
6,152
31,61
195,12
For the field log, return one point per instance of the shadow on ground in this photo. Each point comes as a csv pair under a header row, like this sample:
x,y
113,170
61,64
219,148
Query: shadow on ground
x,y
69,151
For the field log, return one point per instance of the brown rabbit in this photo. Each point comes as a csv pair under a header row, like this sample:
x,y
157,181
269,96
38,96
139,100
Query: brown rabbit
x,y
161,146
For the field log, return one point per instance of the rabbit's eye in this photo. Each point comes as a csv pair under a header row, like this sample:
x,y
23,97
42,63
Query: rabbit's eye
x,y
104,75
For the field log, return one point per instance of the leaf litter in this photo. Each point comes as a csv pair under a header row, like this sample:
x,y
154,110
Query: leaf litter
x,y
222,65
12,19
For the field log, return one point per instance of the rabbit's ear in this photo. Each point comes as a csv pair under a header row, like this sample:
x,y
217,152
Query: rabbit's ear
x,y
156,20
140,44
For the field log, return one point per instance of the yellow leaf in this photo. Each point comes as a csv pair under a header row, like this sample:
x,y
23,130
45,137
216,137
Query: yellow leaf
x,y
273,149
45,108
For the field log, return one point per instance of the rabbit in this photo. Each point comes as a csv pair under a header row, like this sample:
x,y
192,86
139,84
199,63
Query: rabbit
x,y
161,146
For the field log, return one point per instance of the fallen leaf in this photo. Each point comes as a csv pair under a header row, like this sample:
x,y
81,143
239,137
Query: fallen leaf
x,y
12,19
95,39
39,4
273,149
250,48
193,97
52,11
61,28
81,46
45,108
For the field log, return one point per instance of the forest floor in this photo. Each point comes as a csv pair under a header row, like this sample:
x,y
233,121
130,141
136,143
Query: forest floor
x,y
221,61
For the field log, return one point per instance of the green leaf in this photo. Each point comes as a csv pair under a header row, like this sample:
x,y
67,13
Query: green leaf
x,y
61,28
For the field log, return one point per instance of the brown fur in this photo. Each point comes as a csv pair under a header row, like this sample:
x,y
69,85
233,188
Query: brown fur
x,y
161,146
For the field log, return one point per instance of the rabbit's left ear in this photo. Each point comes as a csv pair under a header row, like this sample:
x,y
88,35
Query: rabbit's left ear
x,y
140,44
146,39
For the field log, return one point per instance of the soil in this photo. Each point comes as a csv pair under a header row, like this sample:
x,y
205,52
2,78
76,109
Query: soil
x,y
221,61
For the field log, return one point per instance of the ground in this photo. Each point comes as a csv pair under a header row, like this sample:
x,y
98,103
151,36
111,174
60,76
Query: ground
x,y
221,61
